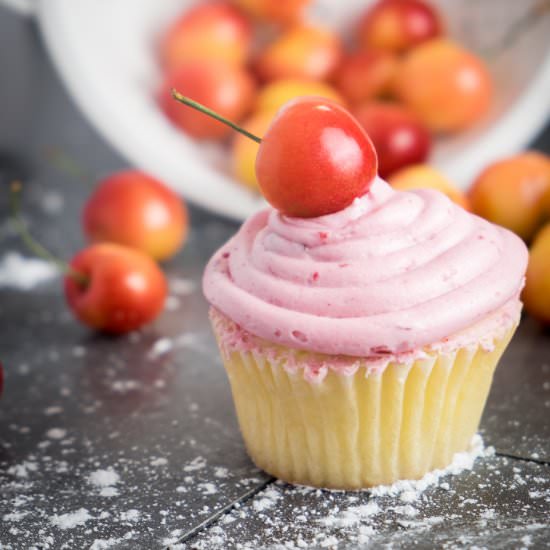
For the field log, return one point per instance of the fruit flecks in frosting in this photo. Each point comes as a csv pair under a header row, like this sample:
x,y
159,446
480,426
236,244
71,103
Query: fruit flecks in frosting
x,y
395,272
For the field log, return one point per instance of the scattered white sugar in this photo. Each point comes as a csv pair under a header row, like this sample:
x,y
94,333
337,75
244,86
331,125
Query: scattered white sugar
x,y
22,273
352,516
220,471
124,386
79,351
182,287
56,433
108,492
208,488
22,470
408,496
71,519
421,524
160,347
413,489
52,202
488,514
173,538
325,542
103,478
159,462
131,515
62,467
104,544
406,510
527,541
49,411
23,369
268,499
196,464
14,516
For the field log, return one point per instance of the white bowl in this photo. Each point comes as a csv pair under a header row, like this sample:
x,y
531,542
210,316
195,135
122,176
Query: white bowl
x,y
105,52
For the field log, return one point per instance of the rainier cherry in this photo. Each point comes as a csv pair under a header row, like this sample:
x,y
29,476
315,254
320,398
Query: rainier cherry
x,y
314,159
114,289
536,294
108,287
136,210
397,25
208,31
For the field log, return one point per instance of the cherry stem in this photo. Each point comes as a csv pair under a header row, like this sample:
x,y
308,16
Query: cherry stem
x,y
33,245
65,163
203,109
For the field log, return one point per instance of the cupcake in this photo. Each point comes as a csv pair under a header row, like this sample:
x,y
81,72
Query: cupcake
x,y
360,343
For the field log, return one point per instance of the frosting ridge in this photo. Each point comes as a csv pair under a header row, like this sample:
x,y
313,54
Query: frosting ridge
x,y
393,272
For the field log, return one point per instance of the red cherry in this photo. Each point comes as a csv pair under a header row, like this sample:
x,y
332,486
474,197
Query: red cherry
x,y
397,25
399,137
122,289
315,159
226,89
136,210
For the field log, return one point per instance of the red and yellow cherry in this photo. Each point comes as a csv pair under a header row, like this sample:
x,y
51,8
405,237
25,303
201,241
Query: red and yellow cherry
x,y
275,94
399,138
226,89
512,192
536,294
134,209
276,11
303,51
397,25
114,289
365,75
446,86
214,31
424,176
315,159
244,150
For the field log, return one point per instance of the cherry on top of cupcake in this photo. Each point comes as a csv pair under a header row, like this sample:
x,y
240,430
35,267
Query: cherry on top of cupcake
x,y
315,158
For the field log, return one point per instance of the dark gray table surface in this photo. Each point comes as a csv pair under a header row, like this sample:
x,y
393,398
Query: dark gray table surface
x,y
132,442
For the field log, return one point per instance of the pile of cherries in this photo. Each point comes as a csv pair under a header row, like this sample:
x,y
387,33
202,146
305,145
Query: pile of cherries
x,y
399,74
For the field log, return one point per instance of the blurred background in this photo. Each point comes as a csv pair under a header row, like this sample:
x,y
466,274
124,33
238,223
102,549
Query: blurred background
x,y
457,85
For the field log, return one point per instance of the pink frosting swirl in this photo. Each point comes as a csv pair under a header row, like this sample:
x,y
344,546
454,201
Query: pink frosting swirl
x,y
393,272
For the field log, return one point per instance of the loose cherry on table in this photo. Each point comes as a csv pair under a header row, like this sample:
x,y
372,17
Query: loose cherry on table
x,y
120,289
134,209
314,159
108,287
